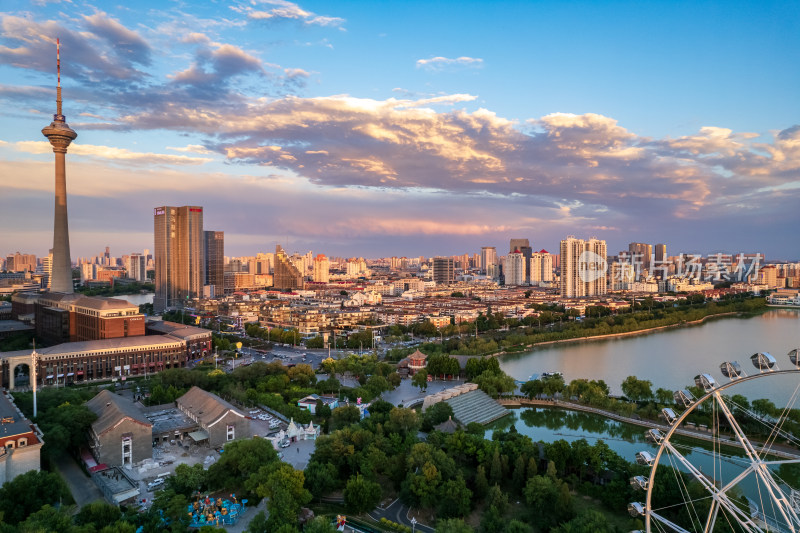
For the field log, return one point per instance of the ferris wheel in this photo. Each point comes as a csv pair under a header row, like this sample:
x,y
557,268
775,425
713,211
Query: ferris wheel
x,y
745,476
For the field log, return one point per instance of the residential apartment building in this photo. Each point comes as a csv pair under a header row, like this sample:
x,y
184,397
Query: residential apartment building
x,y
583,267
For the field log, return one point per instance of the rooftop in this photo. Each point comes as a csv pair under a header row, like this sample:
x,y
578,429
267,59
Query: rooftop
x,y
168,418
111,408
104,304
206,406
17,424
119,343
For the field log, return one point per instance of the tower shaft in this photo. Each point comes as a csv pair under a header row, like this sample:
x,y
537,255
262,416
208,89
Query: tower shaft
x,y
60,136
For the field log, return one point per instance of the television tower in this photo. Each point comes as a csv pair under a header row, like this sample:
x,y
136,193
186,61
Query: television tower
x,y
60,135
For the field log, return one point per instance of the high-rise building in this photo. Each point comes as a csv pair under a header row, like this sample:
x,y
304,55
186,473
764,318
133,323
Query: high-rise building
x,y
47,268
60,136
488,258
524,247
514,268
541,268
136,267
21,262
214,257
179,256
444,271
640,254
583,267
322,269
287,276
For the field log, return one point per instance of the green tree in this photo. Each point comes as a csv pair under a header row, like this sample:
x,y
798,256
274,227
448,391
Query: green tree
x,y
321,478
454,498
188,479
589,521
637,390
361,495
516,526
420,380
344,416
28,492
481,483
319,524
284,486
98,513
241,459
453,525
435,415
48,519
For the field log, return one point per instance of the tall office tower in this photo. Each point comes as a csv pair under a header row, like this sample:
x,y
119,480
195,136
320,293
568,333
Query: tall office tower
x,y
488,258
215,260
443,270
583,267
640,256
541,268
60,136
322,269
179,256
287,277
136,267
514,268
660,252
524,246
107,257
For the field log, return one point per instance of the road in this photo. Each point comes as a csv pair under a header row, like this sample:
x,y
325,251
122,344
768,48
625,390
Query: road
x,y
398,512
81,486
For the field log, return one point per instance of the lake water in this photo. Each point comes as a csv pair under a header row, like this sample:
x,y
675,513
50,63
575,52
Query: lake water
x,y
669,358
549,425
138,299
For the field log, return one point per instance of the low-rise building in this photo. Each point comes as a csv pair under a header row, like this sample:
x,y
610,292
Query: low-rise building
x,y
219,421
20,442
121,435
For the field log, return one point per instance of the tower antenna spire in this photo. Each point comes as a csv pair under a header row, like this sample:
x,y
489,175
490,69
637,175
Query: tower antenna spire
x,y
59,115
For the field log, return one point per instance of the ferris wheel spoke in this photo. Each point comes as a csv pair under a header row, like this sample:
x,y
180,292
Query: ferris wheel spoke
x,y
731,504
776,495
719,496
749,449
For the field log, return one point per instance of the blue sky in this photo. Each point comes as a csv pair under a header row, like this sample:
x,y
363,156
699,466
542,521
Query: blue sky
x,y
408,128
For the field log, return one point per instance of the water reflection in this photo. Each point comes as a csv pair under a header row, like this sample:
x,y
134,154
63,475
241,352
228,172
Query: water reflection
x,y
669,358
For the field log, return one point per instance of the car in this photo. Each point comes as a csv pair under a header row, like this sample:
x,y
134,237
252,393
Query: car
x,y
285,444
156,483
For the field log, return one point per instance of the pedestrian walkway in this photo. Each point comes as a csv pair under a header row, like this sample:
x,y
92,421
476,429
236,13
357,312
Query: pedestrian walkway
x,y
783,452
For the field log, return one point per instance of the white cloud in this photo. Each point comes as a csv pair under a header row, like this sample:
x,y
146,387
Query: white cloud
x,y
442,63
283,10
113,154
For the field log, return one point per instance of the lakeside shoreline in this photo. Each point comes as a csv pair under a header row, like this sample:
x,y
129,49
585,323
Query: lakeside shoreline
x,y
624,334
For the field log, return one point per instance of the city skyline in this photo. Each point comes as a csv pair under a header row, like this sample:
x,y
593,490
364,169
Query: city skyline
x,y
347,130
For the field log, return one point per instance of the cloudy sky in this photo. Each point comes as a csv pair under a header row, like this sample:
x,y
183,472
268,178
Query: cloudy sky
x,y
407,128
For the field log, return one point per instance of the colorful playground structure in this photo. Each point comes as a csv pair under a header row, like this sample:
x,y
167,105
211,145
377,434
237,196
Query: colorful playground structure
x,y
206,511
